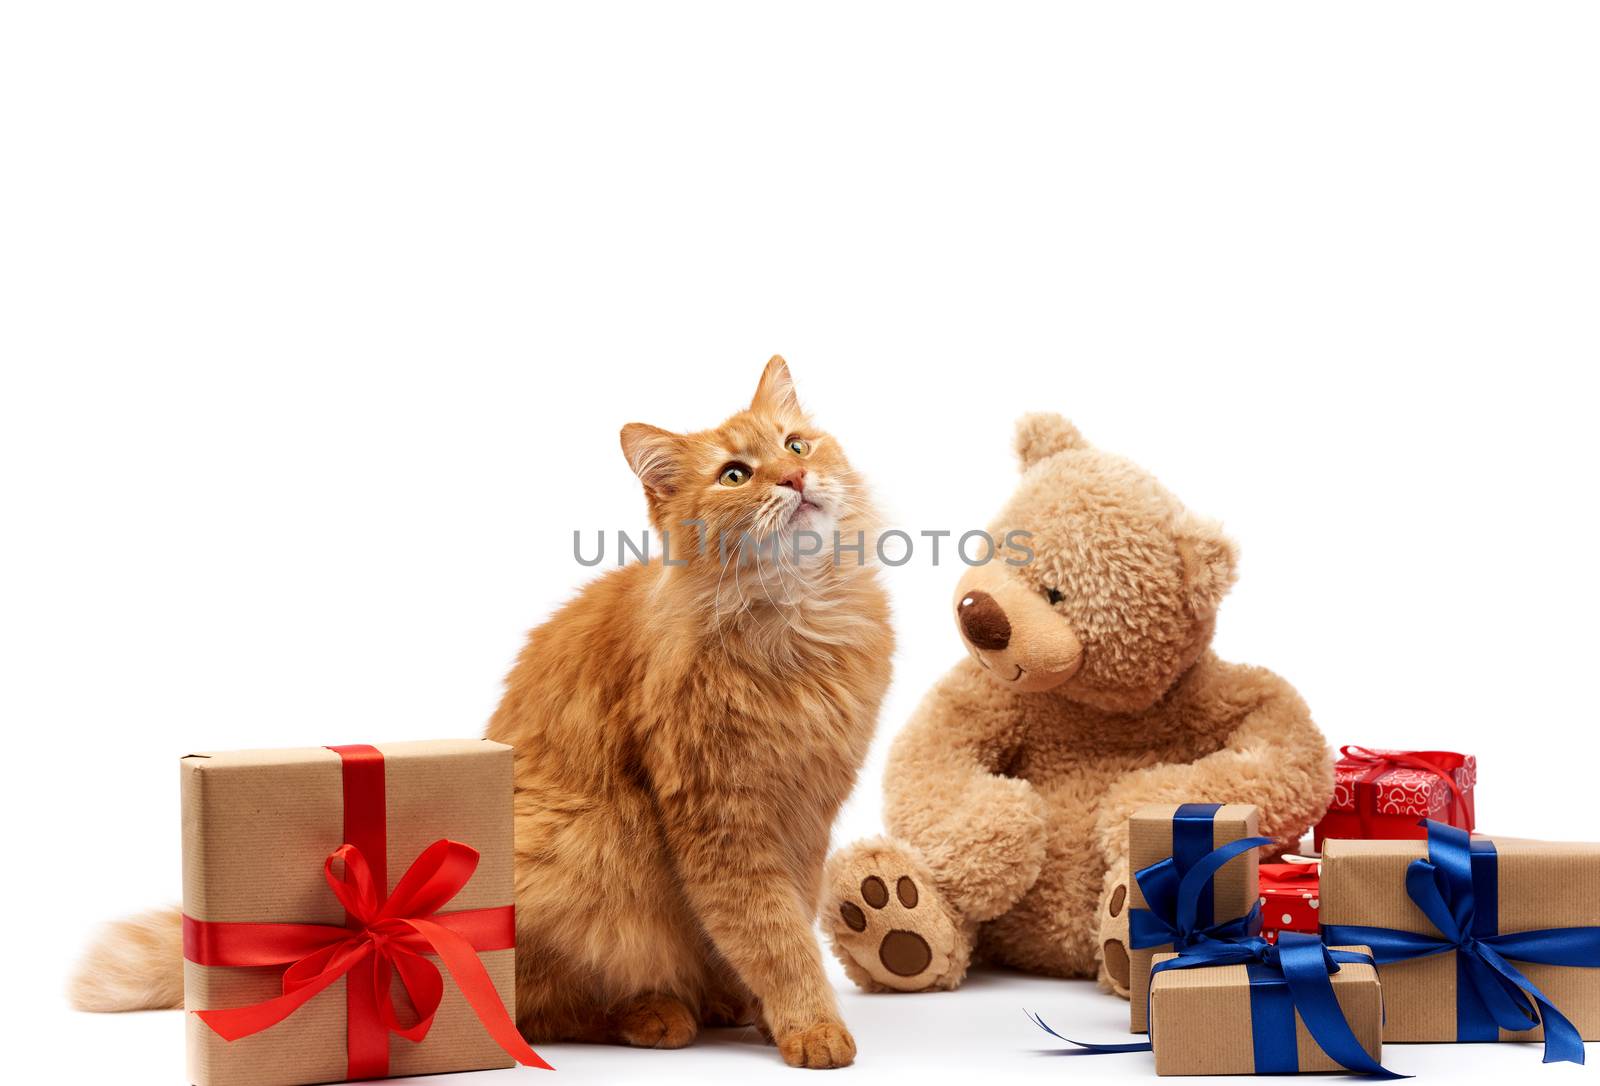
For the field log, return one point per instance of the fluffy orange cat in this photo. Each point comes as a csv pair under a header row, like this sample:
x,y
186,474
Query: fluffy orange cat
x,y
685,735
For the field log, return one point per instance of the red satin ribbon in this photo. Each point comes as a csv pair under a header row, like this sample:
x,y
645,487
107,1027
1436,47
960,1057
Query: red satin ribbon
x,y
1278,876
384,936
1382,763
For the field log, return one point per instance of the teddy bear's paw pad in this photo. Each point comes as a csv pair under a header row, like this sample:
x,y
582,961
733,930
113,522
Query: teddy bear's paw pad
x,y
1116,970
901,937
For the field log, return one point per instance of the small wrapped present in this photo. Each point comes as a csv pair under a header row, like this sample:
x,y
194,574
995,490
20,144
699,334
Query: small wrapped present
x,y
1213,845
1387,793
1253,1007
1260,1009
323,890
1289,898
1475,939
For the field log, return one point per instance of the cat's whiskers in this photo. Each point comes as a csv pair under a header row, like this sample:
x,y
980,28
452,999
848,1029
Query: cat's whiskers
x,y
781,611
735,556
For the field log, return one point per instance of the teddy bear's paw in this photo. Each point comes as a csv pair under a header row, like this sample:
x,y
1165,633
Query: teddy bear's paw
x,y
886,917
1114,965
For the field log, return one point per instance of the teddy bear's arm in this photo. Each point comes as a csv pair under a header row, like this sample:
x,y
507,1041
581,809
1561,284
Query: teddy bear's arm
x,y
1274,757
982,833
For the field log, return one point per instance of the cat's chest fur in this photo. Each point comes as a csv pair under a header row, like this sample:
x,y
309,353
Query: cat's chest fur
x,y
786,697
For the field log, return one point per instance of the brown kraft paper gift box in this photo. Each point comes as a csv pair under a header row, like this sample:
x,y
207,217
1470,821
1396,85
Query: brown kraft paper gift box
x,y
258,826
1235,887
1542,884
1201,1022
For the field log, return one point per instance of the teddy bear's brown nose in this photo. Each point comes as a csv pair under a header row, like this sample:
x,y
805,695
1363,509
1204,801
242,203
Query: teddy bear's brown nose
x,y
983,621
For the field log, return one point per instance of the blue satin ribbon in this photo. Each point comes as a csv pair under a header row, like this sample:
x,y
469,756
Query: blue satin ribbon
x,y
1180,899
1289,977
1457,888
1193,832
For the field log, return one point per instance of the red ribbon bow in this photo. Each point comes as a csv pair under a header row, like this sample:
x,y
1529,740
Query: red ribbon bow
x,y
382,938
1381,763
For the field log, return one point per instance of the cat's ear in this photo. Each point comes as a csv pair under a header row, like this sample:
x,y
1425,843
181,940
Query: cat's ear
x,y
653,454
776,390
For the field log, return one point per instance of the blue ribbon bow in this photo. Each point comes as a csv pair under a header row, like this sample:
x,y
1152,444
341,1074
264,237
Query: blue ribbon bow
x,y
1458,889
1289,977
1179,900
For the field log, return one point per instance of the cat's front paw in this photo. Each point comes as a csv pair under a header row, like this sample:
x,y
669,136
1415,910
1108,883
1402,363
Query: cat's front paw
x,y
654,1020
889,925
1115,969
821,1046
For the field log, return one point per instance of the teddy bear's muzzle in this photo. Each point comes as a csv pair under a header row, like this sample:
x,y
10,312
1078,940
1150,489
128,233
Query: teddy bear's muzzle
x,y
1014,634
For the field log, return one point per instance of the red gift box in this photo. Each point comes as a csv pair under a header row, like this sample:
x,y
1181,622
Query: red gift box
x,y
1290,898
1385,794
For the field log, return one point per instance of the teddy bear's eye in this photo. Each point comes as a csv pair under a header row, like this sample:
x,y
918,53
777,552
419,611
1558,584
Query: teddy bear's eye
x,y
1053,596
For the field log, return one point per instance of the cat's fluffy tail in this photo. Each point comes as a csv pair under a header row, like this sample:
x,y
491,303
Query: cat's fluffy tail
x,y
133,965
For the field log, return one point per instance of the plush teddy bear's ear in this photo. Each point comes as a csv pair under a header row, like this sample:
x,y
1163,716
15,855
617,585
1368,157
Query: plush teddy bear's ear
x,y
1210,562
1044,434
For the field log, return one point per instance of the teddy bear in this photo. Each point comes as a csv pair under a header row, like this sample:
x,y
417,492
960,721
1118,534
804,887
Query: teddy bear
x,y
1089,690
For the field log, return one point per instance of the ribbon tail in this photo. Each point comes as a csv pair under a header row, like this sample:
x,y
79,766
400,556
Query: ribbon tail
x,y
236,1022
1082,1049
420,979
473,980
1311,990
1562,1041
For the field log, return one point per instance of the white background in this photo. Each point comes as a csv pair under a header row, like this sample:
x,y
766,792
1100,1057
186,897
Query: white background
x,y
320,321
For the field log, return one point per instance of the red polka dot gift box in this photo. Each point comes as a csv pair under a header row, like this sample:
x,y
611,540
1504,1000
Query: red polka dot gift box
x,y
1386,794
1290,898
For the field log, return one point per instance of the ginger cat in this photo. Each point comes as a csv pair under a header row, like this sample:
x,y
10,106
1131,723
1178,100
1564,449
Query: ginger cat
x,y
684,737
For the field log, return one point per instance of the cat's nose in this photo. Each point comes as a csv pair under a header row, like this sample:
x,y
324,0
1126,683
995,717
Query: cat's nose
x,y
983,621
795,481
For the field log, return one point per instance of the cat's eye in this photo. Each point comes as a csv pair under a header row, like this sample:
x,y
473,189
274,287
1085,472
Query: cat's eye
x,y
799,446
1053,596
734,475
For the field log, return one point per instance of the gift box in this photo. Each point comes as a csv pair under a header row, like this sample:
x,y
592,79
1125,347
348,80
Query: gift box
x,y
1165,844
1387,793
1289,898
1476,939
1241,1019
335,897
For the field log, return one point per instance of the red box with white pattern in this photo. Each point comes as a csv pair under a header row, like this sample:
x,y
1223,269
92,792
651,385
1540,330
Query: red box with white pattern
x,y
1385,794
1290,899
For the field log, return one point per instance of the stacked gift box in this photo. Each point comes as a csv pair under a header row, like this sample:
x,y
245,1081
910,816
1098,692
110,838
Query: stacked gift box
x,y
1408,927
1215,996
1386,794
